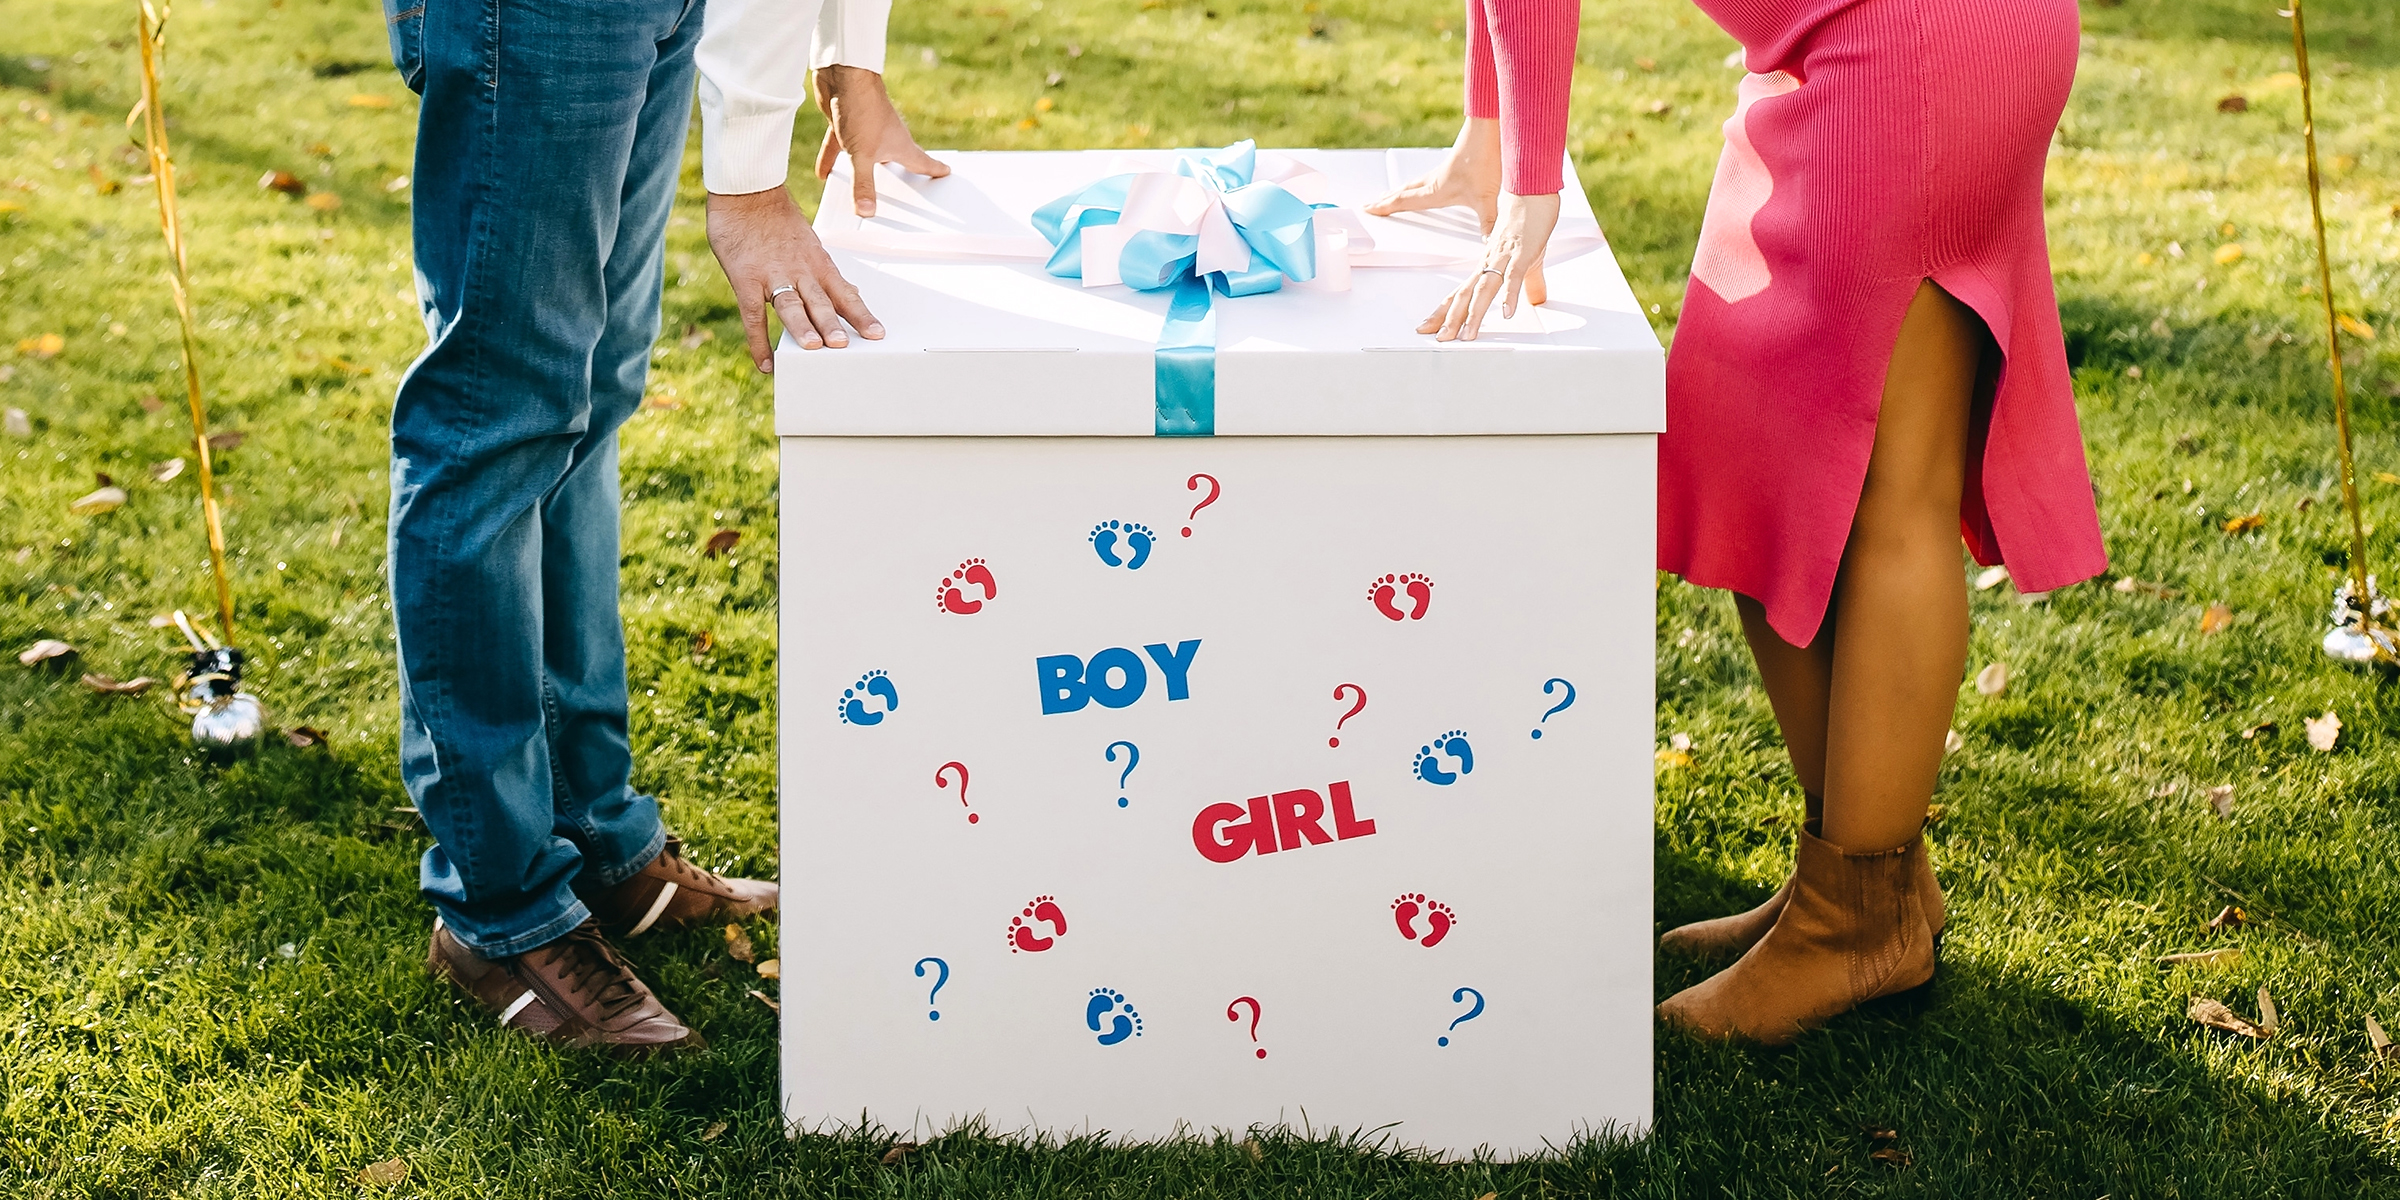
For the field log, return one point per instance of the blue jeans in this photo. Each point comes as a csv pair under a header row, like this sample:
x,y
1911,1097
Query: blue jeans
x,y
548,149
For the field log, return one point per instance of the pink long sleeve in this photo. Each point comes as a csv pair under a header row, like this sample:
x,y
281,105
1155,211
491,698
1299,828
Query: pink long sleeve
x,y
1520,68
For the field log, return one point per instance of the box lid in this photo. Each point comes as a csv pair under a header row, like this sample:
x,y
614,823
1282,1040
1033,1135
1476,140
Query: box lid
x,y
983,341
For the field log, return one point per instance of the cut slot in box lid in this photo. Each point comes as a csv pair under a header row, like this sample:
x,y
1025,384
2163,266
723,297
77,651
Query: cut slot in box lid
x,y
983,341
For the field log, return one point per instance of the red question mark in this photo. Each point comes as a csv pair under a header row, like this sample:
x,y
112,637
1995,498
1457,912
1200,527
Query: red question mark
x,y
1233,1013
1355,709
940,780
1193,485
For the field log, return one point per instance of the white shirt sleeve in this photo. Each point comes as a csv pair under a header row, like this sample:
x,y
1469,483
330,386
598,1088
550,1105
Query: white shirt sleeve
x,y
754,57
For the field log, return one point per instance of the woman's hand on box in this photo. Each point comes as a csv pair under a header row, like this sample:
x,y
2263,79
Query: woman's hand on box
x,y
773,260
1468,177
1512,263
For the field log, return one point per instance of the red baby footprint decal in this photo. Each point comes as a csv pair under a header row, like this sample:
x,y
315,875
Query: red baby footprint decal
x,y
1438,918
1023,933
1386,593
951,594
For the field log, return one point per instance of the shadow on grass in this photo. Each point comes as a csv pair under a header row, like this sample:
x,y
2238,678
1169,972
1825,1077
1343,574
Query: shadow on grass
x,y
2360,31
1997,1085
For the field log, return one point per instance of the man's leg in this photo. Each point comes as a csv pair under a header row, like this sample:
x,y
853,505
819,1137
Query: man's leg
x,y
526,143
634,876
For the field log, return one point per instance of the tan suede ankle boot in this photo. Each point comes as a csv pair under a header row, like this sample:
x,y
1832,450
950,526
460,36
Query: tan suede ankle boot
x,y
1853,930
1727,937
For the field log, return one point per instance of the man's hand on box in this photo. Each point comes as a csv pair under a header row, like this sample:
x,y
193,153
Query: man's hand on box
x,y
1512,257
861,122
772,259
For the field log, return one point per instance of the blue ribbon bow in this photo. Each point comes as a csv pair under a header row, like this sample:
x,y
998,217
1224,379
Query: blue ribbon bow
x,y
1278,227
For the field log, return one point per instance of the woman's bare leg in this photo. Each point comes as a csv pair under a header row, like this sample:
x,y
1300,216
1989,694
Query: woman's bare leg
x,y
1799,682
1901,606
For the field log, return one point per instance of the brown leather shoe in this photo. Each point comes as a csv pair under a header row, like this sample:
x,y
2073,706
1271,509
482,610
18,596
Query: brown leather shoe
x,y
1728,937
1853,930
574,990
671,893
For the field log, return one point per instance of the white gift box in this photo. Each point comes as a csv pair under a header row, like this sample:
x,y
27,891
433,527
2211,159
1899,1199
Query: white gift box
x,y
1148,785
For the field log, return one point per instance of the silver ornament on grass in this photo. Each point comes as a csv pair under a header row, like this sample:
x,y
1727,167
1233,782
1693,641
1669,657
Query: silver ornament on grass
x,y
225,719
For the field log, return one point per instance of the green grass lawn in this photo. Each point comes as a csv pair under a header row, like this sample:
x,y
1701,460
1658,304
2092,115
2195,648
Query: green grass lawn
x,y
211,979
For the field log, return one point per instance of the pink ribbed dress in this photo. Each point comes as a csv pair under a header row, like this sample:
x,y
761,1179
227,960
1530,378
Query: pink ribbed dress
x,y
1876,144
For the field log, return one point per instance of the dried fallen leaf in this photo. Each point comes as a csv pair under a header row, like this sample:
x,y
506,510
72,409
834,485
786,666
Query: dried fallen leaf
x,y
304,736
44,651
2129,585
162,472
2323,731
1952,742
150,402
2220,798
2356,328
2202,958
283,181
109,686
384,1174
2246,523
898,1153
92,504
1646,63
1892,1156
1992,577
16,424
1659,108
767,1000
2229,254
2251,734
370,100
2234,103
693,336
1879,1135
2217,618
2268,1019
324,202
1256,1152
1992,679
2229,918
737,944
721,541
771,969
715,1130
703,642
227,439
2165,790
2377,1038
43,345
2215,1015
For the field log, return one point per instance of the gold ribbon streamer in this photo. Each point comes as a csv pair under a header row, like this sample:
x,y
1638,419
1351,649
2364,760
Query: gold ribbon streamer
x,y
2365,602
153,37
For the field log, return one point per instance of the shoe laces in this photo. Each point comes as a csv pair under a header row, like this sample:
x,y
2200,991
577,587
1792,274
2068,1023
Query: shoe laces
x,y
589,966
672,858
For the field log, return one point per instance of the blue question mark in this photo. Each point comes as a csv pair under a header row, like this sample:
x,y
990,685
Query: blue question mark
x,y
1471,1013
1552,686
945,978
1133,758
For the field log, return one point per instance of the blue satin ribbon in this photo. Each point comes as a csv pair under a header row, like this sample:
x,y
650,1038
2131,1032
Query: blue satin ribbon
x,y
1279,228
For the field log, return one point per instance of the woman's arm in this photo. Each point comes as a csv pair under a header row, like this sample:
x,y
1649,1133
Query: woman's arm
x,y
1533,58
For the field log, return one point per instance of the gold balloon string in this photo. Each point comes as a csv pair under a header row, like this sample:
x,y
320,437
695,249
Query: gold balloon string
x,y
153,30
2364,602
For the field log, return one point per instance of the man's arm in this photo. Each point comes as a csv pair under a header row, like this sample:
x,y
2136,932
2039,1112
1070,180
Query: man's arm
x,y
753,59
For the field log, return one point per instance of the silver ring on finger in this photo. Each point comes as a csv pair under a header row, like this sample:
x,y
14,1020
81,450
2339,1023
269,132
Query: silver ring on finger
x,y
1491,271
781,290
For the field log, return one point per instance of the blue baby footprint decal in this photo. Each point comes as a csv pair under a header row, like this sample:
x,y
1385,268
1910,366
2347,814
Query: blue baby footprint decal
x,y
1138,541
872,685
1104,542
1429,766
1137,537
1117,1027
